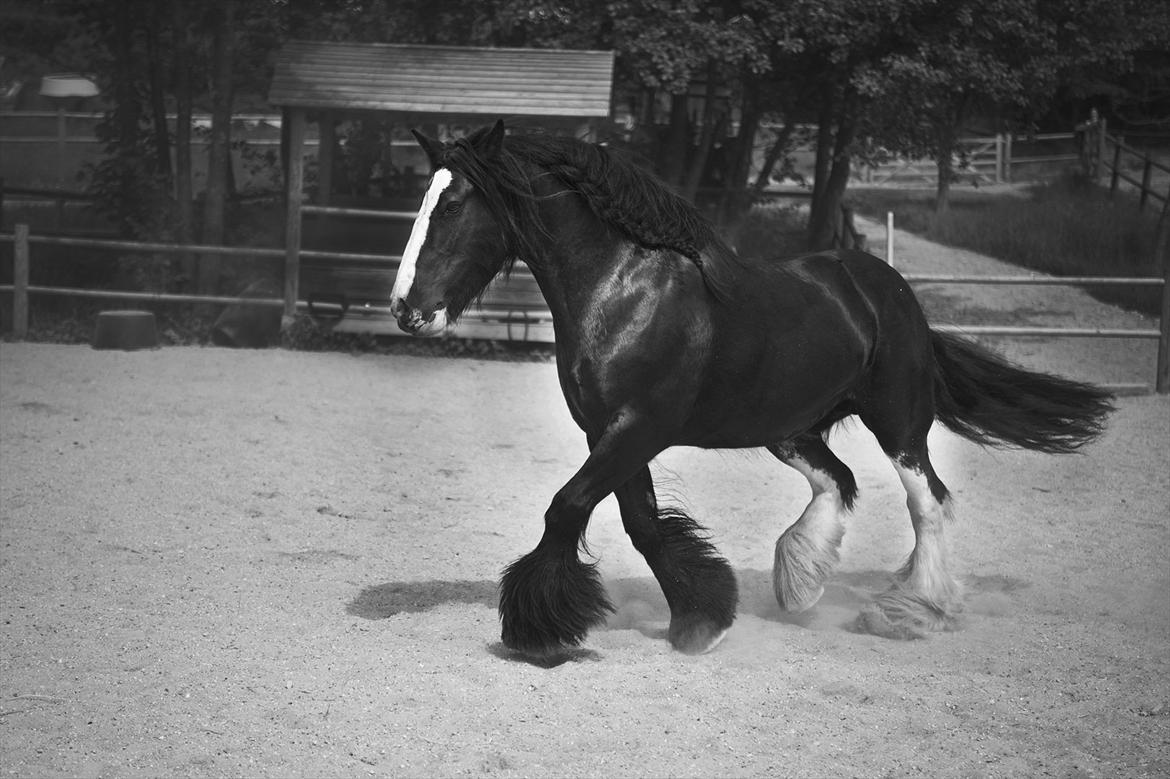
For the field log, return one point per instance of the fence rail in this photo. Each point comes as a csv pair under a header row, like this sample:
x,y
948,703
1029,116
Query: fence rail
x,y
21,289
1149,165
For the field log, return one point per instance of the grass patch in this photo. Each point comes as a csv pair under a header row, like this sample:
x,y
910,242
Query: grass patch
x,y
1066,227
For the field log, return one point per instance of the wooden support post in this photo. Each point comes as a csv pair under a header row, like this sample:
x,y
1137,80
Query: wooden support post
x,y
292,228
62,164
20,263
327,138
1162,255
62,135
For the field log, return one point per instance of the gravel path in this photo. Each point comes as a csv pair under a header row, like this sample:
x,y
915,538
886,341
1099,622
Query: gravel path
x,y
1099,360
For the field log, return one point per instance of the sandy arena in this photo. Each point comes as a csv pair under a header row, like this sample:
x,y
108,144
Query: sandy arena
x,y
232,563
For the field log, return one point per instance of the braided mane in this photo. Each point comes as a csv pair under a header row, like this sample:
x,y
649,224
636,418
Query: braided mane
x,y
622,195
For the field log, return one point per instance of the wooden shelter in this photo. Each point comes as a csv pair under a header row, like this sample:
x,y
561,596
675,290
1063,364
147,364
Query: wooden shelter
x,y
420,85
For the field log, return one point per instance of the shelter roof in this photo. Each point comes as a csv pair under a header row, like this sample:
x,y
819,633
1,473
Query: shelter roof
x,y
451,80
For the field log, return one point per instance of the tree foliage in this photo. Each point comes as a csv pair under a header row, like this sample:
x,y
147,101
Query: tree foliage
x,y
701,83
989,58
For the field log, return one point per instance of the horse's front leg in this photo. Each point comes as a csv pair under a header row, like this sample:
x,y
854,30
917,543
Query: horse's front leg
x,y
549,599
699,585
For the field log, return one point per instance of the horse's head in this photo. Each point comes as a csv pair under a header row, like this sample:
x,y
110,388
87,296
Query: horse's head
x,y
456,246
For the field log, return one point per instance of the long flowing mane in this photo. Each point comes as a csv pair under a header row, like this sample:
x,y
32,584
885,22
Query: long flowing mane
x,y
621,194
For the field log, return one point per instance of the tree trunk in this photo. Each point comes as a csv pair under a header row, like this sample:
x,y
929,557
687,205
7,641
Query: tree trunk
x,y
946,135
946,173
125,100
710,129
771,157
219,149
736,199
125,120
824,153
158,106
677,147
184,194
825,229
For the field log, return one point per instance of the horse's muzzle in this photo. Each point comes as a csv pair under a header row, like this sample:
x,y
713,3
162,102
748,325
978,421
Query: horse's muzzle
x,y
411,320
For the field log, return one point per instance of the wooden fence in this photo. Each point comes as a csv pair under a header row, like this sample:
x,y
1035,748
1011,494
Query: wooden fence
x,y
992,159
1101,152
511,310
519,313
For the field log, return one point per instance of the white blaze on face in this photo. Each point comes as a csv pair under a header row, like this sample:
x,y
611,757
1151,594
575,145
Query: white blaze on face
x,y
418,234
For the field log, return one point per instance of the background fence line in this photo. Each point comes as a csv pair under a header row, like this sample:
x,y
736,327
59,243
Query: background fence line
x,y
989,159
1101,151
21,289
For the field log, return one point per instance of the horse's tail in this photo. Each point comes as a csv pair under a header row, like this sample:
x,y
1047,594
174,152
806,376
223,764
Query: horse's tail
x,y
986,399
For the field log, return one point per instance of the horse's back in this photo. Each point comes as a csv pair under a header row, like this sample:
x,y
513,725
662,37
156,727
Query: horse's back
x,y
838,287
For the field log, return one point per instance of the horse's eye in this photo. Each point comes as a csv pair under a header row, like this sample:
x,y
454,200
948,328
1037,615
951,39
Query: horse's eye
x,y
453,207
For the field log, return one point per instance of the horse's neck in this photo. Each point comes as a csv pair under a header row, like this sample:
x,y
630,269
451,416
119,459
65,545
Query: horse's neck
x,y
578,256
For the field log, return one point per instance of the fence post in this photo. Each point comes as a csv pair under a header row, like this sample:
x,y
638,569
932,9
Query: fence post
x,y
1116,176
20,263
1007,158
292,225
890,238
1102,138
999,158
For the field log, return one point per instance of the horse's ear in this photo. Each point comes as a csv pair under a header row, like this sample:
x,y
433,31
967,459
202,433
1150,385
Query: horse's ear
x,y
431,147
489,145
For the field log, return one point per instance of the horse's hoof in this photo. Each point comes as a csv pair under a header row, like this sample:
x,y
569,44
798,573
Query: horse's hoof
x,y
549,602
795,600
545,655
535,647
904,616
801,565
696,634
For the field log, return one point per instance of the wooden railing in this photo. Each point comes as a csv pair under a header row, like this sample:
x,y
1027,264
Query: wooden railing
x,y
519,313
1102,153
511,310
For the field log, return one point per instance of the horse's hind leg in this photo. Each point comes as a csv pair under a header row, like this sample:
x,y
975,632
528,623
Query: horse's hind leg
x,y
924,597
808,550
699,585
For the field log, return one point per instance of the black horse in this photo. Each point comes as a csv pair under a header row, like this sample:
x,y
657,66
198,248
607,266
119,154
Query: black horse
x,y
666,337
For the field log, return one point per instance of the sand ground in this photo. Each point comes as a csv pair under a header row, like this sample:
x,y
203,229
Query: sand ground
x,y
231,563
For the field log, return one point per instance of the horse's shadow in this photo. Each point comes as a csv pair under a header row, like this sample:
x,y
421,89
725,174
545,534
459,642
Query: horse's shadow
x,y
640,606
381,601
638,601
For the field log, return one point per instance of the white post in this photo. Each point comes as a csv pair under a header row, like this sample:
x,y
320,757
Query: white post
x,y
890,238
